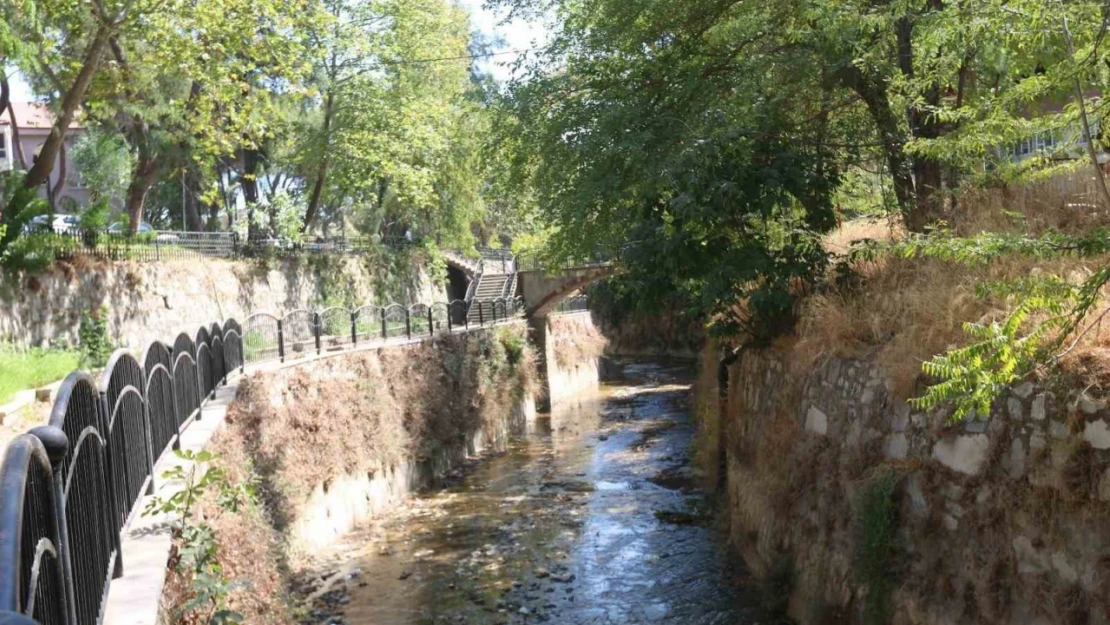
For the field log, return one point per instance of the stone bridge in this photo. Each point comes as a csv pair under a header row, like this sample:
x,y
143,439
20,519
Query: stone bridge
x,y
544,290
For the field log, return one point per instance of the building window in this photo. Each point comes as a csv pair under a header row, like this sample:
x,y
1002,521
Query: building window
x,y
3,146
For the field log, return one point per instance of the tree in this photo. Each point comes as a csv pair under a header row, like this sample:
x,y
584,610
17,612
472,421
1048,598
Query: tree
x,y
385,128
676,142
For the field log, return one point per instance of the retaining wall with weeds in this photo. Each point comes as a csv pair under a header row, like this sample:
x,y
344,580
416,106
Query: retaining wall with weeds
x,y
855,509
156,300
330,444
572,347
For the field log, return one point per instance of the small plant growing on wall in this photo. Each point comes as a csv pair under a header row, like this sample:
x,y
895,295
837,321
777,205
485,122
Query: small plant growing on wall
x,y
95,345
196,543
876,526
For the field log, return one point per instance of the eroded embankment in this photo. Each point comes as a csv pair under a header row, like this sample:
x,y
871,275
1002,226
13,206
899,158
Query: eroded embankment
x,y
855,509
330,444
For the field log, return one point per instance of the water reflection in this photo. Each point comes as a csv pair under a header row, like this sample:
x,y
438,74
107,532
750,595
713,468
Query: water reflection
x,y
591,517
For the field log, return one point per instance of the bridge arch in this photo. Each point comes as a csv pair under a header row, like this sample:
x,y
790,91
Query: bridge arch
x,y
544,291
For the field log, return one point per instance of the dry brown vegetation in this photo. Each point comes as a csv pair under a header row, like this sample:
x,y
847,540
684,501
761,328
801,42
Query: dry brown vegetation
x,y
577,341
293,430
903,312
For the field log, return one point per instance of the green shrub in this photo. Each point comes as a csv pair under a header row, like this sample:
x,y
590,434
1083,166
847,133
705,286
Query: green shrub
x,y
96,346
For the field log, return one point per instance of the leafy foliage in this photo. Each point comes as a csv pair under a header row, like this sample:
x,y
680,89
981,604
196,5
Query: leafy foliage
x,y
198,545
95,344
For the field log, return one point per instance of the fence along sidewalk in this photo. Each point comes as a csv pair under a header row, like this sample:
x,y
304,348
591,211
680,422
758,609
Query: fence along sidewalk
x,y
70,488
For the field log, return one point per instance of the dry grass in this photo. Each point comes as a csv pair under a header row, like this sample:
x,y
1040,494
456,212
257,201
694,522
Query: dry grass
x,y
370,411
839,242
1066,202
578,340
904,312
296,429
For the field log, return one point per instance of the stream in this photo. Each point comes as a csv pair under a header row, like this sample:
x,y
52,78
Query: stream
x,y
592,516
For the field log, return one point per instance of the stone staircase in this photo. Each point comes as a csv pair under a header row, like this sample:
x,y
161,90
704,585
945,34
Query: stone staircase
x,y
491,286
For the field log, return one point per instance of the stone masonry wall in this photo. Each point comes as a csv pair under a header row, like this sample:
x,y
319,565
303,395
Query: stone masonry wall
x,y
999,520
147,301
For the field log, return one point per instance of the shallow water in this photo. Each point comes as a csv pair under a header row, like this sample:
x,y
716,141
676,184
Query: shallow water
x,y
592,517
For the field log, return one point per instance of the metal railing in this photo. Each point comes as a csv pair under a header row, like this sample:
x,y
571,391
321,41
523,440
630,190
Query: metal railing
x,y
532,262
578,303
70,488
303,332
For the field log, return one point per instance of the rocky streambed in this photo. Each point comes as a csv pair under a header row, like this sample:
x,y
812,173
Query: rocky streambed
x,y
591,517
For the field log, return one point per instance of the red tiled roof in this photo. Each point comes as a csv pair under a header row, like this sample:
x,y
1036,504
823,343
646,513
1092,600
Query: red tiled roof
x,y
32,115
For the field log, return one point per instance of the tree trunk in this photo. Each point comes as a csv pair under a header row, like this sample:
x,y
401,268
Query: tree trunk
x,y
192,208
322,172
44,164
142,179
249,182
5,90
875,97
62,173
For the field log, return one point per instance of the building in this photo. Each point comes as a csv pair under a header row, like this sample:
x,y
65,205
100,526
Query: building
x,y
34,123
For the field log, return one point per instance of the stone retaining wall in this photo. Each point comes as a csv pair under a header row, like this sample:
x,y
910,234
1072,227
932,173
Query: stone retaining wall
x,y
148,301
996,520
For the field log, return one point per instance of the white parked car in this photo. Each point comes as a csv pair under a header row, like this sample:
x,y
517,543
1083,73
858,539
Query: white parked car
x,y
60,224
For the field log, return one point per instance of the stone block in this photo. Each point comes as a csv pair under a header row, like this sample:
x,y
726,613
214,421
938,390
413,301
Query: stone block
x,y
1037,441
1037,410
1057,429
1088,405
1097,434
950,522
975,425
1104,486
1016,459
1023,390
897,446
965,454
1014,407
900,417
918,504
817,421
1064,568
1030,560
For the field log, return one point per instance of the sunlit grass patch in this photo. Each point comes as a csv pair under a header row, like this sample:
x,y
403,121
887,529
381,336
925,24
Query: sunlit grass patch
x,y
31,368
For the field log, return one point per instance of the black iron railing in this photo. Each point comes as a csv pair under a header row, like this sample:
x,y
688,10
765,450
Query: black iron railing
x,y
70,488
578,303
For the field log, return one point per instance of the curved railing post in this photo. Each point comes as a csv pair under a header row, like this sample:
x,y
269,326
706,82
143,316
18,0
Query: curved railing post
x,y
281,341
481,319
449,323
113,496
56,444
408,323
383,324
316,330
354,328
431,325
